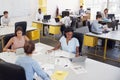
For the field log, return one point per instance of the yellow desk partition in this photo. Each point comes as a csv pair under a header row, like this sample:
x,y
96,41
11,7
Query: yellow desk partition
x,y
90,41
33,35
54,30
37,25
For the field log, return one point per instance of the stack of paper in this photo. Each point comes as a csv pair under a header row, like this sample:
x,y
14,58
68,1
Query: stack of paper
x,y
78,69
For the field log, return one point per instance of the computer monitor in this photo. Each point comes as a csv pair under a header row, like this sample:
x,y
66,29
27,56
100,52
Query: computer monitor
x,y
47,17
111,16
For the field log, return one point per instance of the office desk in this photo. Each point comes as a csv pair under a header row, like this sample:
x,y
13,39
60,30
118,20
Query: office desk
x,y
75,16
95,70
51,24
11,29
113,35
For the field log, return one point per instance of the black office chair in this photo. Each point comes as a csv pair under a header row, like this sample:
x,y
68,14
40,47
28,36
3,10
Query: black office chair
x,y
7,38
64,13
89,26
9,71
79,36
0,19
23,25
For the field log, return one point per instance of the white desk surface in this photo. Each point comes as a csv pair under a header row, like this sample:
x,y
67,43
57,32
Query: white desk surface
x,y
114,35
11,29
95,70
73,15
52,23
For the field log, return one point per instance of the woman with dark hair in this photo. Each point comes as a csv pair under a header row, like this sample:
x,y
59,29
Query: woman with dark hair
x,y
68,43
17,41
30,65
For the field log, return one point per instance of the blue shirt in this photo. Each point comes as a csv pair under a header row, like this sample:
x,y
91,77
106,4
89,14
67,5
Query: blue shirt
x,y
31,66
96,27
71,46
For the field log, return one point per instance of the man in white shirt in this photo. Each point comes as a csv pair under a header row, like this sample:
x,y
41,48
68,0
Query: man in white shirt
x,y
5,20
66,21
39,15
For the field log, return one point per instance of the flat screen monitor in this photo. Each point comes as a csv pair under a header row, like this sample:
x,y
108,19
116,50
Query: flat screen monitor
x,y
111,16
47,17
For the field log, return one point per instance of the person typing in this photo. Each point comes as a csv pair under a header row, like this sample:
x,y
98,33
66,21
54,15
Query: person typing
x,y
97,27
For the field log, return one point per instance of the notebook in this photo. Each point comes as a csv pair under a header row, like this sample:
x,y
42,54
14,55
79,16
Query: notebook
x,y
19,51
57,20
78,59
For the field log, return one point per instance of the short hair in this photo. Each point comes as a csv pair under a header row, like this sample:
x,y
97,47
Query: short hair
x,y
5,12
18,29
98,16
81,6
39,9
29,47
68,30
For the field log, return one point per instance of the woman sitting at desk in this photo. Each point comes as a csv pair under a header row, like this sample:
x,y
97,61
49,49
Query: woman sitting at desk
x,y
31,66
68,43
17,41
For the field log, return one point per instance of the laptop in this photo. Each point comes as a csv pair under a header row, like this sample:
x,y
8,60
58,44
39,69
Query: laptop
x,y
57,20
20,51
78,59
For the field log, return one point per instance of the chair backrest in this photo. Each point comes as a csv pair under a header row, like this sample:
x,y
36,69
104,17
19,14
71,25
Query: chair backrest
x,y
0,19
23,25
89,26
79,36
7,38
64,13
9,71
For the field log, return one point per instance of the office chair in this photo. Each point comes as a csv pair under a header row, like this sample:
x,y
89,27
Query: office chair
x,y
7,38
9,71
89,26
79,36
23,25
0,19
64,13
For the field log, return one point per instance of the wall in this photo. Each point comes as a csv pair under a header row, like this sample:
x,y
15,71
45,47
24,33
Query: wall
x,y
19,8
62,5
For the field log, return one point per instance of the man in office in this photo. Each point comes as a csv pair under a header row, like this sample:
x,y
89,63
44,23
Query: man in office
x,y
39,15
5,20
96,27
66,21
81,11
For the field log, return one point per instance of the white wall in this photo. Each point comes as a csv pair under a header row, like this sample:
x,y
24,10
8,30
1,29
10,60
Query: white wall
x,y
62,5
19,9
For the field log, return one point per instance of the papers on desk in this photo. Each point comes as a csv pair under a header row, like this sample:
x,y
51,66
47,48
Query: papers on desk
x,y
59,75
48,68
60,53
78,69
63,62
